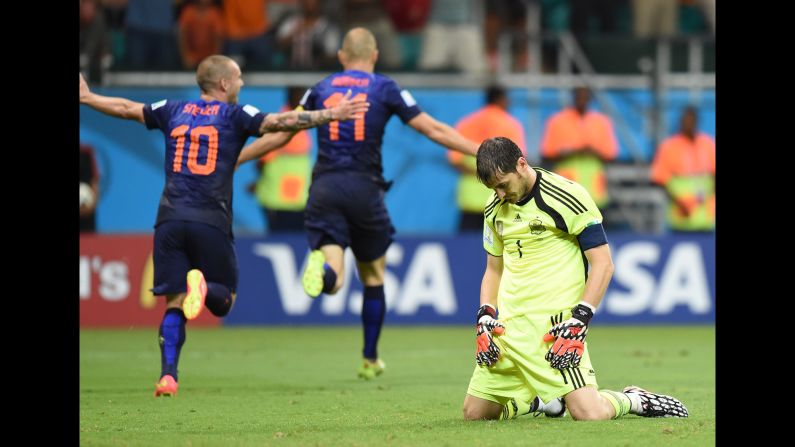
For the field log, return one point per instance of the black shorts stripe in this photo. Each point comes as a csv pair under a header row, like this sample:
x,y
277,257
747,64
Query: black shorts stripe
x,y
579,373
565,193
568,203
565,382
573,383
574,379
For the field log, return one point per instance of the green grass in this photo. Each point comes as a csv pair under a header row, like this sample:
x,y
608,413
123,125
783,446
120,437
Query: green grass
x,y
298,386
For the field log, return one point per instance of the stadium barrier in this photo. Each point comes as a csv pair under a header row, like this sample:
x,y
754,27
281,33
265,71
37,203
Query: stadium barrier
x,y
658,280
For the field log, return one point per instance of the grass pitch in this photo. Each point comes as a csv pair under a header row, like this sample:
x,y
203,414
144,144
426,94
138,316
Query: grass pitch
x,y
298,386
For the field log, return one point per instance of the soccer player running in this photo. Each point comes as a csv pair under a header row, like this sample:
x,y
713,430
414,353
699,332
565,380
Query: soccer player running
x,y
539,230
194,257
346,198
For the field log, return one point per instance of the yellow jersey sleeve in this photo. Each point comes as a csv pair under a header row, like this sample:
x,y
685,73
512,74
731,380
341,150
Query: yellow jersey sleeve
x,y
492,239
572,201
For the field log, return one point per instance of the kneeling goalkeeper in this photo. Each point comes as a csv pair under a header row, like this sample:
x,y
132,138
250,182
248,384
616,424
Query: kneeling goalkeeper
x,y
547,268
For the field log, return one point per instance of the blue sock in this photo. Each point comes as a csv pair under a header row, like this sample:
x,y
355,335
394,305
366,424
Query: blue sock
x,y
329,278
172,336
373,310
218,299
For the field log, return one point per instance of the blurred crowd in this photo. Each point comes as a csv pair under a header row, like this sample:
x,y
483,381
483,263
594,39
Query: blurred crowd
x,y
425,35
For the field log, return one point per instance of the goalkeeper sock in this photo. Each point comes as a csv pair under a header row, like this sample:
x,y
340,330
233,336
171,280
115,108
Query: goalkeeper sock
x,y
515,408
329,278
218,299
373,310
620,401
172,336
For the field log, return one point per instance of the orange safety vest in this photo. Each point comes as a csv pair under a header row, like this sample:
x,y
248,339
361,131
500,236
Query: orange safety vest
x,y
487,122
566,131
283,184
687,169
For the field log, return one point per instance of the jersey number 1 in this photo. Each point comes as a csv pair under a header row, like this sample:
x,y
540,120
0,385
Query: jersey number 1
x,y
334,126
211,133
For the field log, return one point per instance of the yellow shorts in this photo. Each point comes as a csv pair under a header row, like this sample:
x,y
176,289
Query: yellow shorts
x,y
522,373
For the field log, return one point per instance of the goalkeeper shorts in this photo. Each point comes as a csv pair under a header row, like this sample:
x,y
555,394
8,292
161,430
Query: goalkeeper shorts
x,y
522,372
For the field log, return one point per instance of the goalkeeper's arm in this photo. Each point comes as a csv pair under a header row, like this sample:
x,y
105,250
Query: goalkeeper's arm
x,y
599,275
491,281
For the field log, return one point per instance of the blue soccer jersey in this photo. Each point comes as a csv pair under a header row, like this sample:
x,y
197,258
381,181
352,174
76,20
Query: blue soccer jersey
x,y
356,145
203,141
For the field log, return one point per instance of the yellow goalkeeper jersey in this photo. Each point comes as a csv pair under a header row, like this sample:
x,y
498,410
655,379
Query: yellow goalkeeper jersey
x,y
544,269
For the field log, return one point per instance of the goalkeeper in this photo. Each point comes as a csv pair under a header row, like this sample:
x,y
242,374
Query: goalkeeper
x,y
539,230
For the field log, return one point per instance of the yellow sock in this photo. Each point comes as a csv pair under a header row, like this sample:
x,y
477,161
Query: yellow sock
x,y
515,408
619,401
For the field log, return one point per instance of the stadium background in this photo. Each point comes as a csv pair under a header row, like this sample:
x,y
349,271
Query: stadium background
x,y
433,273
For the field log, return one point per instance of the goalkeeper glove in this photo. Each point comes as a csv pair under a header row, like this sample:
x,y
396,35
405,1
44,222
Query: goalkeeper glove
x,y
487,353
569,337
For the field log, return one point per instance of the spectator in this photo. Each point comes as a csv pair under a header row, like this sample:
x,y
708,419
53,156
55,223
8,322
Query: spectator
x,y
453,38
578,141
246,25
310,39
507,16
692,17
115,12
492,120
370,14
94,39
283,184
583,13
151,39
708,8
89,175
409,18
685,167
201,32
655,18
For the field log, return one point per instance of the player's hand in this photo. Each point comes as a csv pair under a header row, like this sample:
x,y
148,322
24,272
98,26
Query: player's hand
x,y
84,92
569,337
349,109
564,353
487,352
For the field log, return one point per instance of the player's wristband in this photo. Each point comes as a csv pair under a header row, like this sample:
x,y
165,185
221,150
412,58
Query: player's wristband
x,y
486,309
582,313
